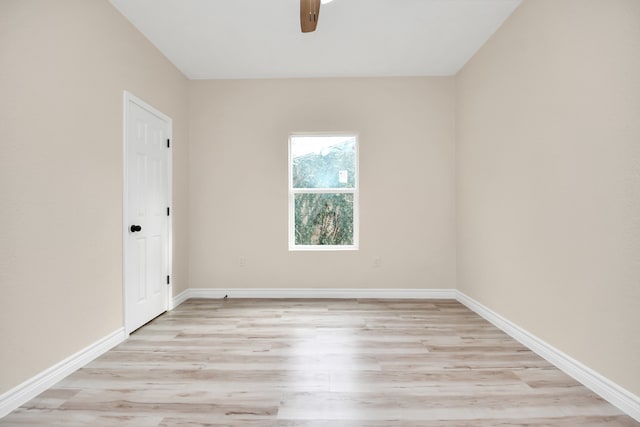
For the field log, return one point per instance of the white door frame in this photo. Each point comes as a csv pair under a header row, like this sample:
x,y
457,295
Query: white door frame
x,y
127,98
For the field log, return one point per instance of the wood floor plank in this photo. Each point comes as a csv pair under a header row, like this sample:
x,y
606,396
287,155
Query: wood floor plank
x,y
318,363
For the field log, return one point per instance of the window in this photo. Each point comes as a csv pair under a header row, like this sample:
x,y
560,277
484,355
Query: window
x,y
323,192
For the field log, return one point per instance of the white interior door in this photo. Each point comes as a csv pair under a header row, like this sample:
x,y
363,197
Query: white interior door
x,y
146,213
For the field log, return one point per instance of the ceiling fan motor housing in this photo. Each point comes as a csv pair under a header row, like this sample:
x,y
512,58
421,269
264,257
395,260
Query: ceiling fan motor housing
x,y
309,14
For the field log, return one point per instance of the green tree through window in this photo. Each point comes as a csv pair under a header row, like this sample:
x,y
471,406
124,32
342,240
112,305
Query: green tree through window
x,y
323,192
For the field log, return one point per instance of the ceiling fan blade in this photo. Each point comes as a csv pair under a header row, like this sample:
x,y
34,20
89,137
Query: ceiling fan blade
x,y
309,14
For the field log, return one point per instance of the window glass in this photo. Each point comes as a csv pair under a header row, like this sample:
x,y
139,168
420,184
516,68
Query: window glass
x,y
324,162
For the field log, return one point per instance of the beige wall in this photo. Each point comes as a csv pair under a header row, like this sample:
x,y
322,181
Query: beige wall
x,y
548,160
63,67
238,181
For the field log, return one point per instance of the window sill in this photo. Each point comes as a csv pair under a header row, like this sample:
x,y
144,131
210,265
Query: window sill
x,y
322,248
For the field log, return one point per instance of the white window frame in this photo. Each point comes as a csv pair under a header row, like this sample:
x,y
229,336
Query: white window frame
x,y
355,191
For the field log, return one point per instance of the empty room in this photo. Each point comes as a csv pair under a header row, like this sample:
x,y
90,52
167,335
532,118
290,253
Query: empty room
x,y
305,213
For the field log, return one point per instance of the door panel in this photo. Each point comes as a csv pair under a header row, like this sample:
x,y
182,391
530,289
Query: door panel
x,y
146,252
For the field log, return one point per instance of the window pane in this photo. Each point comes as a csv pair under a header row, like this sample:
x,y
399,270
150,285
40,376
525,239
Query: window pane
x,y
324,219
323,161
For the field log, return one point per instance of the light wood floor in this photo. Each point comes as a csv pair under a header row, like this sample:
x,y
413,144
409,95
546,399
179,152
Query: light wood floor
x,y
318,363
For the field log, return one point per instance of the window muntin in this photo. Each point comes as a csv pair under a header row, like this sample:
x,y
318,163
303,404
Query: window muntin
x,y
323,192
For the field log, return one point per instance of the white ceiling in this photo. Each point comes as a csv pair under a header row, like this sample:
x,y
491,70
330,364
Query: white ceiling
x,y
220,39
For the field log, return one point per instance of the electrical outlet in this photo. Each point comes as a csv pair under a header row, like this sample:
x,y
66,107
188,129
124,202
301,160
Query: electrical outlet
x,y
242,261
377,262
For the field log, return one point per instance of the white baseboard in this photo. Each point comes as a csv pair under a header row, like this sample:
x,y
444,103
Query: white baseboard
x,y
623,399
29,389
314,293
179,299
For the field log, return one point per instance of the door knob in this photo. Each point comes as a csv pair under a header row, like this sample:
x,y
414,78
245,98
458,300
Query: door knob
x,y
135,228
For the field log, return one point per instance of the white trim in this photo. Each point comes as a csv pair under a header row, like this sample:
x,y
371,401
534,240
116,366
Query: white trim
x,y
320,248
179,299
128,97
314,293
29,389
605,388
323,190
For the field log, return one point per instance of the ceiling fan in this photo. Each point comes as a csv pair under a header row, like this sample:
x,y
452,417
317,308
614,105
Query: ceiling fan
x,y
309,14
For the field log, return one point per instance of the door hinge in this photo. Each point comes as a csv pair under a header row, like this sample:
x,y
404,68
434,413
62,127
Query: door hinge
x,y
168,143
168,211
168,280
